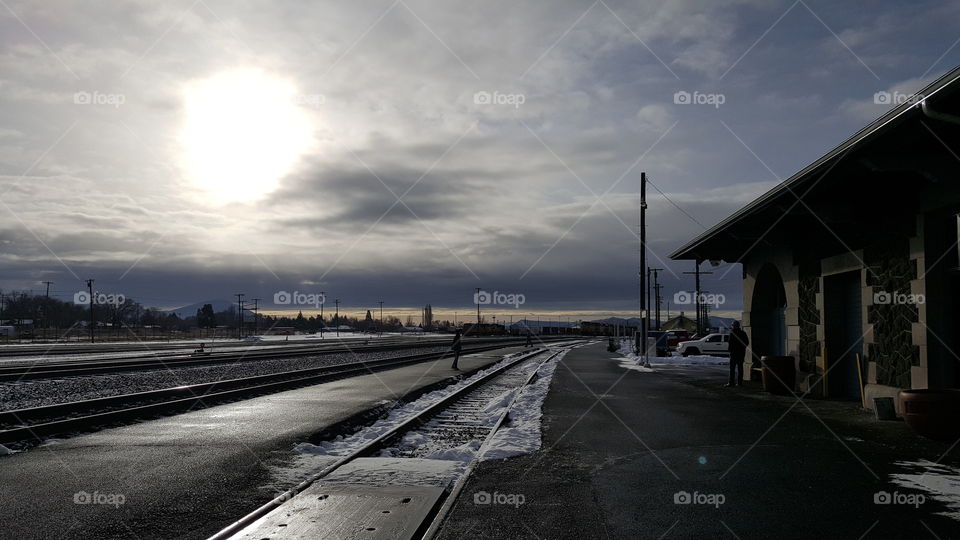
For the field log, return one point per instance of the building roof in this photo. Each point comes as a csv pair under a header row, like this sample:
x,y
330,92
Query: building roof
x,y
705,246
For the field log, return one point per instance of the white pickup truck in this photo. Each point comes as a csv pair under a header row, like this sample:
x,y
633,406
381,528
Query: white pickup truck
x,y
711,344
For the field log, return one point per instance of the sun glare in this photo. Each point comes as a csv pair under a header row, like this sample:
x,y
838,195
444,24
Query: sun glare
x,y
242,133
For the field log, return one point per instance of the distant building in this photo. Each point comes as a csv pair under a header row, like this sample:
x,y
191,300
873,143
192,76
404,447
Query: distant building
x,y
680,322
851,264
427,317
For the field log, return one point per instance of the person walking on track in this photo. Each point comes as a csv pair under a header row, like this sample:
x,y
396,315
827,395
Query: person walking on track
x,y
738,349
456,348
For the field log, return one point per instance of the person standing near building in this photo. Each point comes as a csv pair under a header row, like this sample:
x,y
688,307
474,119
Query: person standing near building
x,y
456,348
737,349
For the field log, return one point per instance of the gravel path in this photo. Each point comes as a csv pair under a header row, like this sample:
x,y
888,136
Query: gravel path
x,y
39,392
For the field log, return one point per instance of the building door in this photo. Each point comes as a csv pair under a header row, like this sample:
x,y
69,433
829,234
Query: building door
x,y
843,333
768,326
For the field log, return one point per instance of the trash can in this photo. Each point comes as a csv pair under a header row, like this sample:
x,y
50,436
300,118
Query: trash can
x,y
779,374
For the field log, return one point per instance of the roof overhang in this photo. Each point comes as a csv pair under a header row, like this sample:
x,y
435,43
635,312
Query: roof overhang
x,y
728,239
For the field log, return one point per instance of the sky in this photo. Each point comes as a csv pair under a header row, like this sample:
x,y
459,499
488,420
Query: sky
x,y
410,152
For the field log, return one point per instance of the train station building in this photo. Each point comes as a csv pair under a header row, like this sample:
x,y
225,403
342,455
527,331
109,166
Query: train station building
x,y
854,258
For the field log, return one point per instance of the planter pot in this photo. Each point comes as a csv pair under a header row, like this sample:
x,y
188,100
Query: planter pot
x,y
934,414
779,374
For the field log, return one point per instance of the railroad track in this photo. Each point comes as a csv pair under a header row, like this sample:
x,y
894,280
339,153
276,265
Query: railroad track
x,y
456,419
82,367
30,425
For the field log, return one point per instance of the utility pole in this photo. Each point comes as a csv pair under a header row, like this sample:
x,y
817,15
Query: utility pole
x,y
657,288
256,315
656,293
705,309
323,296
643,266
93,322
46,308
239,315
337,318
380,326
477,297
699,294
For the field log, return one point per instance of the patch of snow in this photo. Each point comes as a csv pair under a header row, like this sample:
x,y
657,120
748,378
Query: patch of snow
x,y
627,362
701,360
521,434
313,458
940,482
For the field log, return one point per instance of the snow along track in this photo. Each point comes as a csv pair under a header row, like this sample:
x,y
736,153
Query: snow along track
x,y
450,428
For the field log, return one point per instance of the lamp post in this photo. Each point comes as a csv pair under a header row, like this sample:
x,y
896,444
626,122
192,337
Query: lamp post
x,y
93,322
380,326
323,298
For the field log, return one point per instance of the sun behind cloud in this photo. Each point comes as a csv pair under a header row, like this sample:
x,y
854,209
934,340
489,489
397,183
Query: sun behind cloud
x,y
243,131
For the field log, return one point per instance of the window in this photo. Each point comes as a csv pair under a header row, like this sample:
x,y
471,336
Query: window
x,y
716,338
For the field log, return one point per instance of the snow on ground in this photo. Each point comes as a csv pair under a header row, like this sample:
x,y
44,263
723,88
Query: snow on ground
x,y
521,434
940,482
628,359
313,458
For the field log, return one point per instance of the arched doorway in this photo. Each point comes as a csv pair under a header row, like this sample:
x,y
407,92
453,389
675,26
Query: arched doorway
x,y
768,323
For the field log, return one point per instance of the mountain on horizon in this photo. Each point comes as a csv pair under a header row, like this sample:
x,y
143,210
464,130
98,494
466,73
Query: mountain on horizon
x,y
218,305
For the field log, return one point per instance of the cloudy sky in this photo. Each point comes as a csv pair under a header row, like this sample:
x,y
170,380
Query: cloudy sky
x,y
408,150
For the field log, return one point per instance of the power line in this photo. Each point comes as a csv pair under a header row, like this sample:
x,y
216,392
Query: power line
x,y
675,205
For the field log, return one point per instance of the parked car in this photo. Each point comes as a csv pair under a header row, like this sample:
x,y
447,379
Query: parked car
x,y
711,344
674,337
